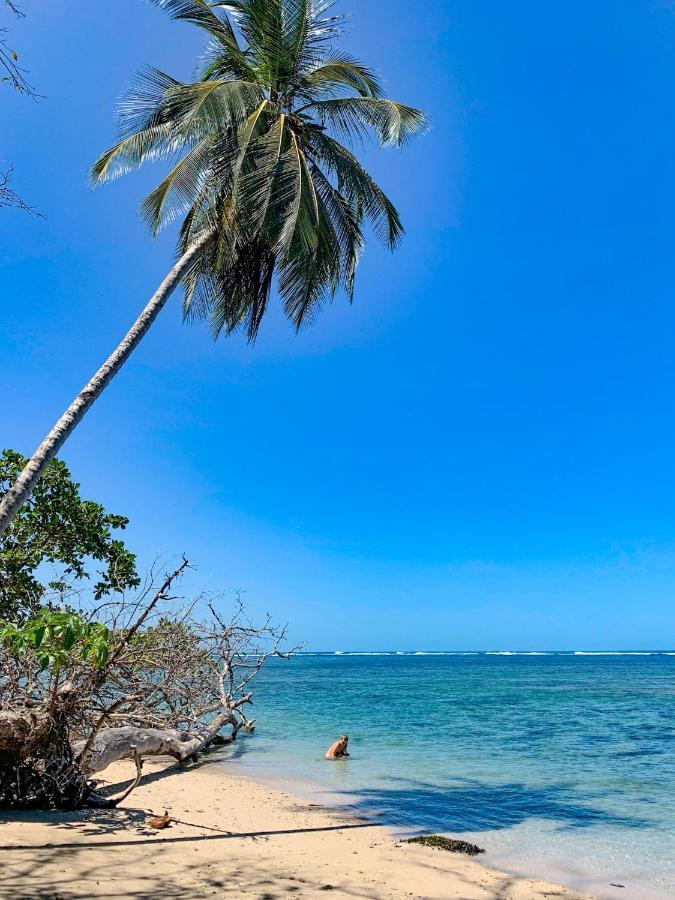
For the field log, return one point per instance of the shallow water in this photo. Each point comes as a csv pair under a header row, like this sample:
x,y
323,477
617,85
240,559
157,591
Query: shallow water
x,y
560,765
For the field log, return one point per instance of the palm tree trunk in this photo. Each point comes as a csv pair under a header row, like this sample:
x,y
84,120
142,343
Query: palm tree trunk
x,y
22,488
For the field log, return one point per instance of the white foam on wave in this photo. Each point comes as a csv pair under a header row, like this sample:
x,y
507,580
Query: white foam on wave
x,y
612,653
489,653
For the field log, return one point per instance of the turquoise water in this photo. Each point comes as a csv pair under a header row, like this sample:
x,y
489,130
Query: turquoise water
x,y
561,766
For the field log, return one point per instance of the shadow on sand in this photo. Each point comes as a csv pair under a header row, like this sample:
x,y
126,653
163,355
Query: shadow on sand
x,y
469,805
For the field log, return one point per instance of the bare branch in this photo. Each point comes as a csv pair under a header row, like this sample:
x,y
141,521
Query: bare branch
x,y
162,594
171,684
9,198
14,73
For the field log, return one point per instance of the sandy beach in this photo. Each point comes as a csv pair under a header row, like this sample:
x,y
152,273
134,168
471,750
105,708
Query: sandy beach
x,y
231,837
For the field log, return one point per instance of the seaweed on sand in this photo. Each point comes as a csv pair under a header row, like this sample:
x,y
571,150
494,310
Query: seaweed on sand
x,y
443,843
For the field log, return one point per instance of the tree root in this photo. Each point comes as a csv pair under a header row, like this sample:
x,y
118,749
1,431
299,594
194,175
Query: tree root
x,y
95,800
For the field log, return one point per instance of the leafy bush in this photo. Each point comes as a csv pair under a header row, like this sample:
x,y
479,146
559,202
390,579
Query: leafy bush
x,y
57,527
57,637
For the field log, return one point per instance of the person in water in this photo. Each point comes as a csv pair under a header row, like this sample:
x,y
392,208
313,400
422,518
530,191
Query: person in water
x,y
338,750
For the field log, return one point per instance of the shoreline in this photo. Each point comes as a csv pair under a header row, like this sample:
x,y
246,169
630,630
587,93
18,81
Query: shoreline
x,y
585,883
233,836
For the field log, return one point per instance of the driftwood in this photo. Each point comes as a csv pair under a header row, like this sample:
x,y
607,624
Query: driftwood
x,y
22,730
113,744
172,684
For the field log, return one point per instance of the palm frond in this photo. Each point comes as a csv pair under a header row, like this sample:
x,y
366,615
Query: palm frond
x,y
258,159
394,123
193,109
222,62
245,139
344,217
143,105
293,174
261,26
229,284
180,189
359,188
338,72
225,58
212,106
310,275
311,31
153,143
173,118
260,190
200,13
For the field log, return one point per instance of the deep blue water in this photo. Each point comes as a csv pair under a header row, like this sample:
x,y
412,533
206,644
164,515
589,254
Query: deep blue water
x,y
560,765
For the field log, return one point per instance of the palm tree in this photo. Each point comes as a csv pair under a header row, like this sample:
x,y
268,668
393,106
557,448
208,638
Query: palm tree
x,y
268,189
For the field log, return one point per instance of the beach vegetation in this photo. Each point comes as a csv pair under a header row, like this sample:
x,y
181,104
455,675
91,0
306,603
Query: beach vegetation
x,y
152,673
97,669
59,544
52,637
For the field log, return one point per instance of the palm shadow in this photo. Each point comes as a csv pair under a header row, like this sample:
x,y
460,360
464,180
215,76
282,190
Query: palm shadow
x,y
470,805
41,876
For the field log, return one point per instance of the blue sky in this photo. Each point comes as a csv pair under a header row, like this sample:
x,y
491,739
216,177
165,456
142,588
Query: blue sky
x,y
479,453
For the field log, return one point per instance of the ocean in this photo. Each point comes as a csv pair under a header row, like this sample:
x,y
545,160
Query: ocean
x,y
561,766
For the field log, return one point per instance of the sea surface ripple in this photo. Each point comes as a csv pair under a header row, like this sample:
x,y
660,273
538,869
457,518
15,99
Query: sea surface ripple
x,y
560,765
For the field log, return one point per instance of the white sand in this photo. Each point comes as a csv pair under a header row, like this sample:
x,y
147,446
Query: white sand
x,y
231,837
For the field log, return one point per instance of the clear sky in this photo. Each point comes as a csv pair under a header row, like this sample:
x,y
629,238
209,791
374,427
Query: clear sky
x,y
480,453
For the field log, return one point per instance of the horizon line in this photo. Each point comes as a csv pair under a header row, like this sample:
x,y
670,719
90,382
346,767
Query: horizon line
x,y
589,652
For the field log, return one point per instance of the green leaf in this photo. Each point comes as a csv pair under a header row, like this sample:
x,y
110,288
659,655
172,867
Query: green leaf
x,y
69,637
39,635
62,529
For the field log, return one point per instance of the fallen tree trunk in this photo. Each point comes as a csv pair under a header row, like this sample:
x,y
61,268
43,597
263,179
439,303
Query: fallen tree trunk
x,y
131,682
29,727
40,768
112,744
37,768
22,730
